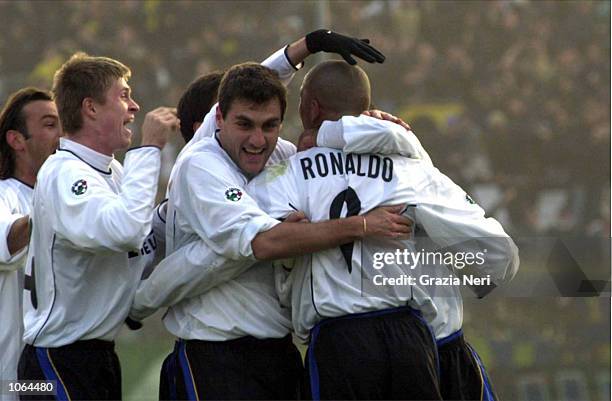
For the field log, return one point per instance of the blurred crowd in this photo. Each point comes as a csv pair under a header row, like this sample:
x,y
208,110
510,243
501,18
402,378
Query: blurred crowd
x,y
511,98
556,337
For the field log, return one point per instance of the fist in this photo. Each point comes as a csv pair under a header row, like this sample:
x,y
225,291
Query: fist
x,y
158,125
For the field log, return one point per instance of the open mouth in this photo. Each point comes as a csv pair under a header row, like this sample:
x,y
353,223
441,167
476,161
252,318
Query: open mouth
x,y
127,124
253,151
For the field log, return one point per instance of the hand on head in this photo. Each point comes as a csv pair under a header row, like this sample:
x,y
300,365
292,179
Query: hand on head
x,y
346,46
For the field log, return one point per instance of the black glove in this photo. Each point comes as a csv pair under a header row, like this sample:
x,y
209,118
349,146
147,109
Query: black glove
x,y
133,324
331,42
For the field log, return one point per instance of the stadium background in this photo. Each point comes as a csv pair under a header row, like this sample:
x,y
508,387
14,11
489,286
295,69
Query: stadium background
x,y
511,99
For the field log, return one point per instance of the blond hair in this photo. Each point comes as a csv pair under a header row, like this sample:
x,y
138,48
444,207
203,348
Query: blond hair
x,y
80,77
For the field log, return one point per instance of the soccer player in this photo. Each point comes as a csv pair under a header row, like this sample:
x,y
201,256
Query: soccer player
x,y
368,345
193,105
30,129
237,332
88,213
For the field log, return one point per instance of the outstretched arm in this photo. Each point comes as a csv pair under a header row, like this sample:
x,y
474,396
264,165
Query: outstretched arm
x,y
294,239
332,42
287,60
366,134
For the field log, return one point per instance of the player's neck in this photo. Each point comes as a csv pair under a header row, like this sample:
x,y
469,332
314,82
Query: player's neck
x,y
24,172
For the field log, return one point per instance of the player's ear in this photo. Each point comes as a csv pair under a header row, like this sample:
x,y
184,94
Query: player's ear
x,y
88,107
316,112
219,117
196,125
15,139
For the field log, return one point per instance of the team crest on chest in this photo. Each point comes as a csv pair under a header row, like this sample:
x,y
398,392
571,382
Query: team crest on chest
x,y
233,194
79,187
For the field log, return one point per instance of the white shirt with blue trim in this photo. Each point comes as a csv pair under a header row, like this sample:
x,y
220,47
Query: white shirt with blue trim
x,y
326,183
15,201
89,213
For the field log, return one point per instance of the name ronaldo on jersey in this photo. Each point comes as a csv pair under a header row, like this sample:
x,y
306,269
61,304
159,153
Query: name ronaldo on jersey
x,y
323,164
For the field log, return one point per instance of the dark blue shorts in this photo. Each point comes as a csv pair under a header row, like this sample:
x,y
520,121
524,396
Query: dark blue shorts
x,y
388,354
84,370
243,369
462,373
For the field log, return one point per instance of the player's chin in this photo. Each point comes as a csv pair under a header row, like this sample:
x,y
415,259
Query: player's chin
x,y
253,164
127,137
252,167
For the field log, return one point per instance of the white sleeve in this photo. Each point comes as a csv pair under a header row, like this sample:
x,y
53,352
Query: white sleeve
x,y
276,192
452,220
365,134
7,219
93,217
189,271
196,268
156,239
218,208
280,63
159,226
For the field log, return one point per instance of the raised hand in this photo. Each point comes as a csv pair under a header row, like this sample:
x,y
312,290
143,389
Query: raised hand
x,y
158,125
332,42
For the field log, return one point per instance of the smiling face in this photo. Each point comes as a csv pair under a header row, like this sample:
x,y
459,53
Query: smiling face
x,y
113,115
249,133
43,132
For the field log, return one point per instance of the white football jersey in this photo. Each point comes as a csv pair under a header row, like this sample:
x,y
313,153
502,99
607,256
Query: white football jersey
x,y
88,214
15,200
192,269
326,183
201,277
207,201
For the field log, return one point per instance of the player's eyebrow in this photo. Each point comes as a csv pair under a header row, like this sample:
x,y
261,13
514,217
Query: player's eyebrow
x,y
245,119
273,120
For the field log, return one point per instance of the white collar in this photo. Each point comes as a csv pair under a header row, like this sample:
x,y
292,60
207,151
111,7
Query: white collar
x,y
95,159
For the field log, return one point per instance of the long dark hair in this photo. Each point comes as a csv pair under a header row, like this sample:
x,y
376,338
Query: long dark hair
x,y
12,118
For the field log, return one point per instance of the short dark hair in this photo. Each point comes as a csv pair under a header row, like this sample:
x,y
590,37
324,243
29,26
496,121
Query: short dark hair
x,y
80,77
12,118
197,101
251,82
339,87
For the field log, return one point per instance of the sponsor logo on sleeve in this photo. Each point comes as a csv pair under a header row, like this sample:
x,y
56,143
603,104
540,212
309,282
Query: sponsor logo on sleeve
x,y
79,187
233,194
